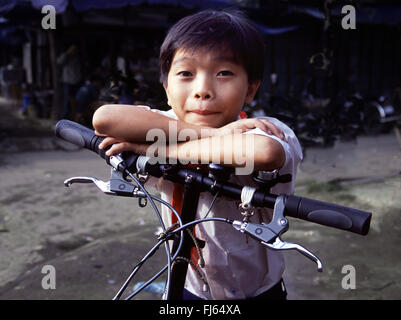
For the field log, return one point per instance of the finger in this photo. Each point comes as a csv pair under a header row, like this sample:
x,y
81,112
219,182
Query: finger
x,y
137,148
262,125
100,134
107,141
251,124
272,127
117,148
276,131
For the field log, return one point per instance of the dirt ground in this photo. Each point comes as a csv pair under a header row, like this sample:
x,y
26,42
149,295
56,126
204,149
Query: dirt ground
x,y
93,240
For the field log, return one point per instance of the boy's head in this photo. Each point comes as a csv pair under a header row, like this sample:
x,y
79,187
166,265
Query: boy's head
x,y
216,30
211,63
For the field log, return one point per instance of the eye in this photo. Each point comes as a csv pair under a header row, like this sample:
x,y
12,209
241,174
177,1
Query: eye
x,y
225,73
184,74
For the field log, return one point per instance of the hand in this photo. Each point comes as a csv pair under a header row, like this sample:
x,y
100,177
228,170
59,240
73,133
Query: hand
x,y
118,146
251,123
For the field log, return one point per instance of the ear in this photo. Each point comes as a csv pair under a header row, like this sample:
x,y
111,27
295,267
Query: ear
x,y
252,89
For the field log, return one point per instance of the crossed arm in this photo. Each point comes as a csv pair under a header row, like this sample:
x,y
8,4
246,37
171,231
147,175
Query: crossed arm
x,y
127,128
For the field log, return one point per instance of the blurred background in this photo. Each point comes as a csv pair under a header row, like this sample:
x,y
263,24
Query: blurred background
x,y
339,89
323,80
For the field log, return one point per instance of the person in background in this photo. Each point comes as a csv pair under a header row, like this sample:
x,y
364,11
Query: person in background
x,y
71,77
86,98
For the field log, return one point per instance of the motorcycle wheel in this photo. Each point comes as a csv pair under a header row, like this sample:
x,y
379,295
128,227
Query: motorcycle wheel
x,y
372,124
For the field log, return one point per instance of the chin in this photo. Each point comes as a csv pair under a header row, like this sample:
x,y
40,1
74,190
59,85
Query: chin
x,y
202,122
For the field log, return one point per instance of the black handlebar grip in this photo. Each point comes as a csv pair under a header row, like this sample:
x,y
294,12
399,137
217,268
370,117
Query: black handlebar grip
x,y
328,214
79,135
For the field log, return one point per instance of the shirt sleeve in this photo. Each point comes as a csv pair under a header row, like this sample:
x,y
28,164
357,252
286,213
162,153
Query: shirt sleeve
x,y
292,149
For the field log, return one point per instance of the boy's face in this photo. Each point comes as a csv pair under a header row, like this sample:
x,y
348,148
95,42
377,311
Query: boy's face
x,y
208,88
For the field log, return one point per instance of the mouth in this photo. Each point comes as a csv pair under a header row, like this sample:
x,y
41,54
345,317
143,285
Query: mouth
x,y
203,112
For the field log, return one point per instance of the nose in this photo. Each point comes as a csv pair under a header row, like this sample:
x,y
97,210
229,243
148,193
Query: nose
x,y
203,89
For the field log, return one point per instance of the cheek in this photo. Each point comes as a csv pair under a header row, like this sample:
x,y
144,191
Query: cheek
x,y
235,98
177,94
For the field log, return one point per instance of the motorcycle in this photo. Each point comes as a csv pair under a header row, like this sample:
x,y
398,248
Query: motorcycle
x,y
382,113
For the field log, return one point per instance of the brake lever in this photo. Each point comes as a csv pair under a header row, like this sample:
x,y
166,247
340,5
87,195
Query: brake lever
x,y
278,244
103,186
269,233
117,186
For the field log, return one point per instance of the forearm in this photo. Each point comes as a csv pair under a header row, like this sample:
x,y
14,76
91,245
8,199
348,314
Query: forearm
x,y
235,150
134,123
142,131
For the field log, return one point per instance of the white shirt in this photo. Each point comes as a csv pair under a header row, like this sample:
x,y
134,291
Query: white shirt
x,y
236,266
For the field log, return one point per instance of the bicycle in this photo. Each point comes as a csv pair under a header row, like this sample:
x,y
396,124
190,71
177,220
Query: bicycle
x,y
126,165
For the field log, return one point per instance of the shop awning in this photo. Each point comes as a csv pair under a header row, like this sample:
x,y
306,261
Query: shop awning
x,y
385,14
83,5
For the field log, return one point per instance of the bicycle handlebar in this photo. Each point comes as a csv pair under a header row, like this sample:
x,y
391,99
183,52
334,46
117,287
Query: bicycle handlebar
x,y
328,214
79,135
324,213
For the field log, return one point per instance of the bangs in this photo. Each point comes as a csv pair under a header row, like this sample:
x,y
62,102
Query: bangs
x,y
225,51
227,32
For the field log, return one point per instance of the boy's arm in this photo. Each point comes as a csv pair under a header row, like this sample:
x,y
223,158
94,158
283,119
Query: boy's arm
x,y
126,128
132,124
256,152
249,151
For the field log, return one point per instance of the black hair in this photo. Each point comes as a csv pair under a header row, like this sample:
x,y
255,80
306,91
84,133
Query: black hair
x,y
210,29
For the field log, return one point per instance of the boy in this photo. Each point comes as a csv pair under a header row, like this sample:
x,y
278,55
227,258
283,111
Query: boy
x,y
211,64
